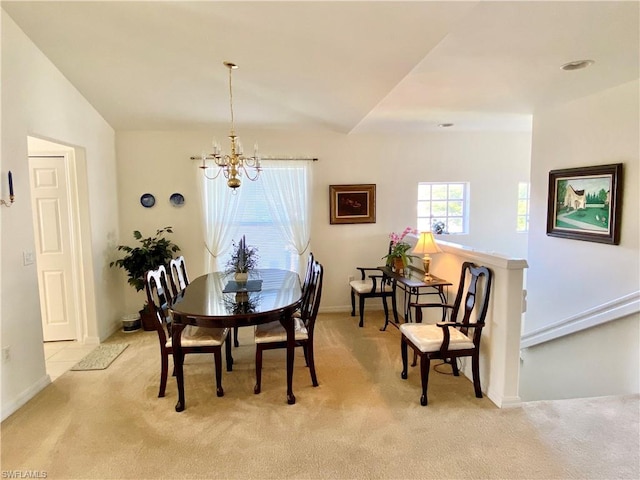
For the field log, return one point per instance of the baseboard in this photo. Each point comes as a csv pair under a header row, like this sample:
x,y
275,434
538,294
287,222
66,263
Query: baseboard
x,y
116,326
504,402
340,309
24,397
91,341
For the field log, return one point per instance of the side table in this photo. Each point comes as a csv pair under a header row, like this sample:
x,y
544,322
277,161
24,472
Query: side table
x,y
413,285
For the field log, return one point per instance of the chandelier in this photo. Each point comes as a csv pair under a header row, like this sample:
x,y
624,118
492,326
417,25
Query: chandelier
x,y
235,164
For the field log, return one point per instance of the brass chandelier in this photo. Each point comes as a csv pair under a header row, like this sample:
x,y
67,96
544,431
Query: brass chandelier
x,y
235,164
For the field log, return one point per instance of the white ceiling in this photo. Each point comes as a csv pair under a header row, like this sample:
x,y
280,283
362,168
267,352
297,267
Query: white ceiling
x,y
346,66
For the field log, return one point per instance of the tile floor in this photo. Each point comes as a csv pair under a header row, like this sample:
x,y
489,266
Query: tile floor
x,y
61,356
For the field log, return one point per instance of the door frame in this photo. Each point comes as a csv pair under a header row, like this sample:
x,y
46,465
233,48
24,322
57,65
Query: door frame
x,y
82,271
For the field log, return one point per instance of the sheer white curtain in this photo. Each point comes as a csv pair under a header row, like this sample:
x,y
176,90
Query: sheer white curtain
x,y
219,207
281,197
287,186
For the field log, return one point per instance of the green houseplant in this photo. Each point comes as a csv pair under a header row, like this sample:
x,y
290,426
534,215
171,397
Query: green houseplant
x,y
398,256
150,253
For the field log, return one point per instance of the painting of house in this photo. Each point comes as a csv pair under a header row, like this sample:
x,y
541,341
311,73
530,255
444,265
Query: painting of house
x,y
574,199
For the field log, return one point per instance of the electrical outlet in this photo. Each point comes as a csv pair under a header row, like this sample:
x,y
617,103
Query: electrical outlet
x,y
6,354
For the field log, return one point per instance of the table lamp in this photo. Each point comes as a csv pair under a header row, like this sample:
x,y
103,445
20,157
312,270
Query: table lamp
x,y
426,245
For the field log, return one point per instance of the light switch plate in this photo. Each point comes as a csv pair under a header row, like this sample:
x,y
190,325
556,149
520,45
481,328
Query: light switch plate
x,y
28,258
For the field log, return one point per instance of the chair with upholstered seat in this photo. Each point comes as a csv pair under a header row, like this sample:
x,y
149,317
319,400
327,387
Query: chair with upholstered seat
x,y
375,285
178,275
455,338
305,292
193,339
273,335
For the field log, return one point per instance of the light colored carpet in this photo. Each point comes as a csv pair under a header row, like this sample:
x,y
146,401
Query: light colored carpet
x,y
100,357
362,422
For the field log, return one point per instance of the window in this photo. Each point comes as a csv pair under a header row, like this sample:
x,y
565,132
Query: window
x,y
443,204
255,222
272,213
523,207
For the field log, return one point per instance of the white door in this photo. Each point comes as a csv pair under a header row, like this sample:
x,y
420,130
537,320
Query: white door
x,y
54,257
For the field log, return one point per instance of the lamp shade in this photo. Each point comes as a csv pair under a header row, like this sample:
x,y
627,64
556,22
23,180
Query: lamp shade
x,y
426,244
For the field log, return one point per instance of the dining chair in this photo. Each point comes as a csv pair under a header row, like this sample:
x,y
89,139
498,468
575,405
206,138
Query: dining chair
x,y
193,340
307,280
178,274
375,285
272,335
457,337
305,290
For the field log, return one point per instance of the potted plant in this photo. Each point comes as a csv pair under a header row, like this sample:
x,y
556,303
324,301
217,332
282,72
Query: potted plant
x,y
398,257
150,253
243,259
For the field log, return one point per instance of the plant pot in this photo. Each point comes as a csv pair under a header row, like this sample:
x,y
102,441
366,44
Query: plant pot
x,y
131,322
241,277
148,319
398,265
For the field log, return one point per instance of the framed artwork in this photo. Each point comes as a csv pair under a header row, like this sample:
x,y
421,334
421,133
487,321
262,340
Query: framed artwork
x,y
586,203
352,203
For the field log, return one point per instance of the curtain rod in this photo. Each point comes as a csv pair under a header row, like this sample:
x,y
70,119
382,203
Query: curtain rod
x,y
308,159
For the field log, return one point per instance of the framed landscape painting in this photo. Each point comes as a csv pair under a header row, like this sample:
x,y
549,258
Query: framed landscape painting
x,y
352,203
585,203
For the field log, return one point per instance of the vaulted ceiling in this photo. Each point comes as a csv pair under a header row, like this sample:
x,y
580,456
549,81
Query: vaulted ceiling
x,y
346,66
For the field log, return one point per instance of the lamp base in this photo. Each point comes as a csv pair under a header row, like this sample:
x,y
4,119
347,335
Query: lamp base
x,y
426,263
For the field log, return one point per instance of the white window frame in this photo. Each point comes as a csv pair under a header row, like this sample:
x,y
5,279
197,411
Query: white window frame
x,y
425,222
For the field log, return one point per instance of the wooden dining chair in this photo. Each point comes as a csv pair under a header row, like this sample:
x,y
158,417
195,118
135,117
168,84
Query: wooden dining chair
x,y
193,339
305,290
272,335
306,283
178,275
370,285
457,337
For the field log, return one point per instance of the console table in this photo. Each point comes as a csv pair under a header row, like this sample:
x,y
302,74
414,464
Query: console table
x,y
412,286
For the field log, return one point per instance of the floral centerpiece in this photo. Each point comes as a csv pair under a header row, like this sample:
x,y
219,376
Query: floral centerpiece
x,y
398,256
243,259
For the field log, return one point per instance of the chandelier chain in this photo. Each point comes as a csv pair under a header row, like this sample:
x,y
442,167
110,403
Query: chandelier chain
x,y
234,165
231,102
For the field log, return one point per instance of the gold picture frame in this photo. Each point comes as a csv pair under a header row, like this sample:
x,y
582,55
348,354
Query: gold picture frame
x,y
352,203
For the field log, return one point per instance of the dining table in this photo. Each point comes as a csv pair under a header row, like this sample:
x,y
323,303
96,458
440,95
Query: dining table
x,y
217,300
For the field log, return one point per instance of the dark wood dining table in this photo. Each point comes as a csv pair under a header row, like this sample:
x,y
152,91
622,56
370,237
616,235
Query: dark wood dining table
x,y
215,300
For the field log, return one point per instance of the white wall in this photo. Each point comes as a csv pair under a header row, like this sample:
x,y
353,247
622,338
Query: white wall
x,y
568,277
37,100
158,162
600,361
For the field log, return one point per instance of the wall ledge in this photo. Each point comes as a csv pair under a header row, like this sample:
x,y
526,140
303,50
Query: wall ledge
x,y
607,312
485,258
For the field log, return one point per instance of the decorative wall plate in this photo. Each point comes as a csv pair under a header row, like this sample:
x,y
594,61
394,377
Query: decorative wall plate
x,y
177,199
147,200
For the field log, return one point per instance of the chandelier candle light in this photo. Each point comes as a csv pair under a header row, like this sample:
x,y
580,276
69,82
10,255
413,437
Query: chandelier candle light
x,y
426,245
233,165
